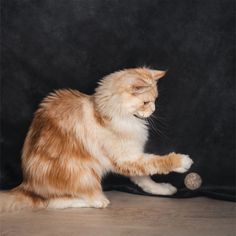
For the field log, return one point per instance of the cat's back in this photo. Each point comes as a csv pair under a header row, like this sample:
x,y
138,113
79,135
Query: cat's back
x,y
63,103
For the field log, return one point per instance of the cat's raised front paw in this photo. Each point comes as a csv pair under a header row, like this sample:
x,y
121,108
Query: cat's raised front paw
x,y
185,163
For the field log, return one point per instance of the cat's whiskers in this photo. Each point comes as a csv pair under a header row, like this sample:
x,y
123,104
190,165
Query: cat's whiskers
x,y
154,128
160,120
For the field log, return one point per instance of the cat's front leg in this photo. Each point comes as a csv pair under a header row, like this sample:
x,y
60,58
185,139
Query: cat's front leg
x,y
149,164
150,186
172,162
153,164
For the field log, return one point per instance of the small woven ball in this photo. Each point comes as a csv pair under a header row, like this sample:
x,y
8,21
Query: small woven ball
x,y
193,181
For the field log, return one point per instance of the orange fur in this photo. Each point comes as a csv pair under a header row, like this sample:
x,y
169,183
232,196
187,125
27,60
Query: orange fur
x,y
75,139
148,166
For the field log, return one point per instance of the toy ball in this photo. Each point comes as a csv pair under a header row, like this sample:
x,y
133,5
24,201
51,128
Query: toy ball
x,y
193,181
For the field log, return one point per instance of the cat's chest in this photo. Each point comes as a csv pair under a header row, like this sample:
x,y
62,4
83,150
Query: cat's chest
x,y
129,128
124,142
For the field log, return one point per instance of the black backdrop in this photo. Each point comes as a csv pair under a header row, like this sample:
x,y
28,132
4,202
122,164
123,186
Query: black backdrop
x,y
51,44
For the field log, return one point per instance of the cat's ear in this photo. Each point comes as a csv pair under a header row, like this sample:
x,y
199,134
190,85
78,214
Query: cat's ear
x,y
157,74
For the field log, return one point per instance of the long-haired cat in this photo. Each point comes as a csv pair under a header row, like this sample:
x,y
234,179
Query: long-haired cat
x,y
75,139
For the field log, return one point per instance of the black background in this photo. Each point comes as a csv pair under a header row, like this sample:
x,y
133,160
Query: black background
x,y
54,44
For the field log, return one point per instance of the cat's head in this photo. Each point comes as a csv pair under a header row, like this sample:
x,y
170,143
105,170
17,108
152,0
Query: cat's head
x,y
129,92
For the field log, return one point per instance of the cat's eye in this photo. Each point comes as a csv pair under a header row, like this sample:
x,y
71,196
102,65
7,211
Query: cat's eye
x,y
145,103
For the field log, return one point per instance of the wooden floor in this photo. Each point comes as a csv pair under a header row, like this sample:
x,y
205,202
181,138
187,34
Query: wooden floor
x,y
129,215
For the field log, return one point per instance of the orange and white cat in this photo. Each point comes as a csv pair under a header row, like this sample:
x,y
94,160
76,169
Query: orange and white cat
x,y
75,139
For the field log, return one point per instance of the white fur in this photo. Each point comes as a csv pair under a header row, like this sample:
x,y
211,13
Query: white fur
x,y
62,203
150,186
122,140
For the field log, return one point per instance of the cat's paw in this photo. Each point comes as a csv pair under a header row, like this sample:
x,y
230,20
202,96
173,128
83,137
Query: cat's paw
x,y
161,189
185,163
100,203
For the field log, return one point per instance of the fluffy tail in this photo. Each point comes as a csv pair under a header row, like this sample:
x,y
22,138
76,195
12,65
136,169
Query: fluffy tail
x,y
19,198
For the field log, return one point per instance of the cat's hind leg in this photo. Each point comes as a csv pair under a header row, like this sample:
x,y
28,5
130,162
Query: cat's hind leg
x,y
62,203
97,201
150,186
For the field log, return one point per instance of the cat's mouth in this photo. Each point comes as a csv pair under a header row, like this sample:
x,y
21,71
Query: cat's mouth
x,y
140,117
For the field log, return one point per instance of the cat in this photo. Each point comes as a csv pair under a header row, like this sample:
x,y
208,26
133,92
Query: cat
x,y
75,139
